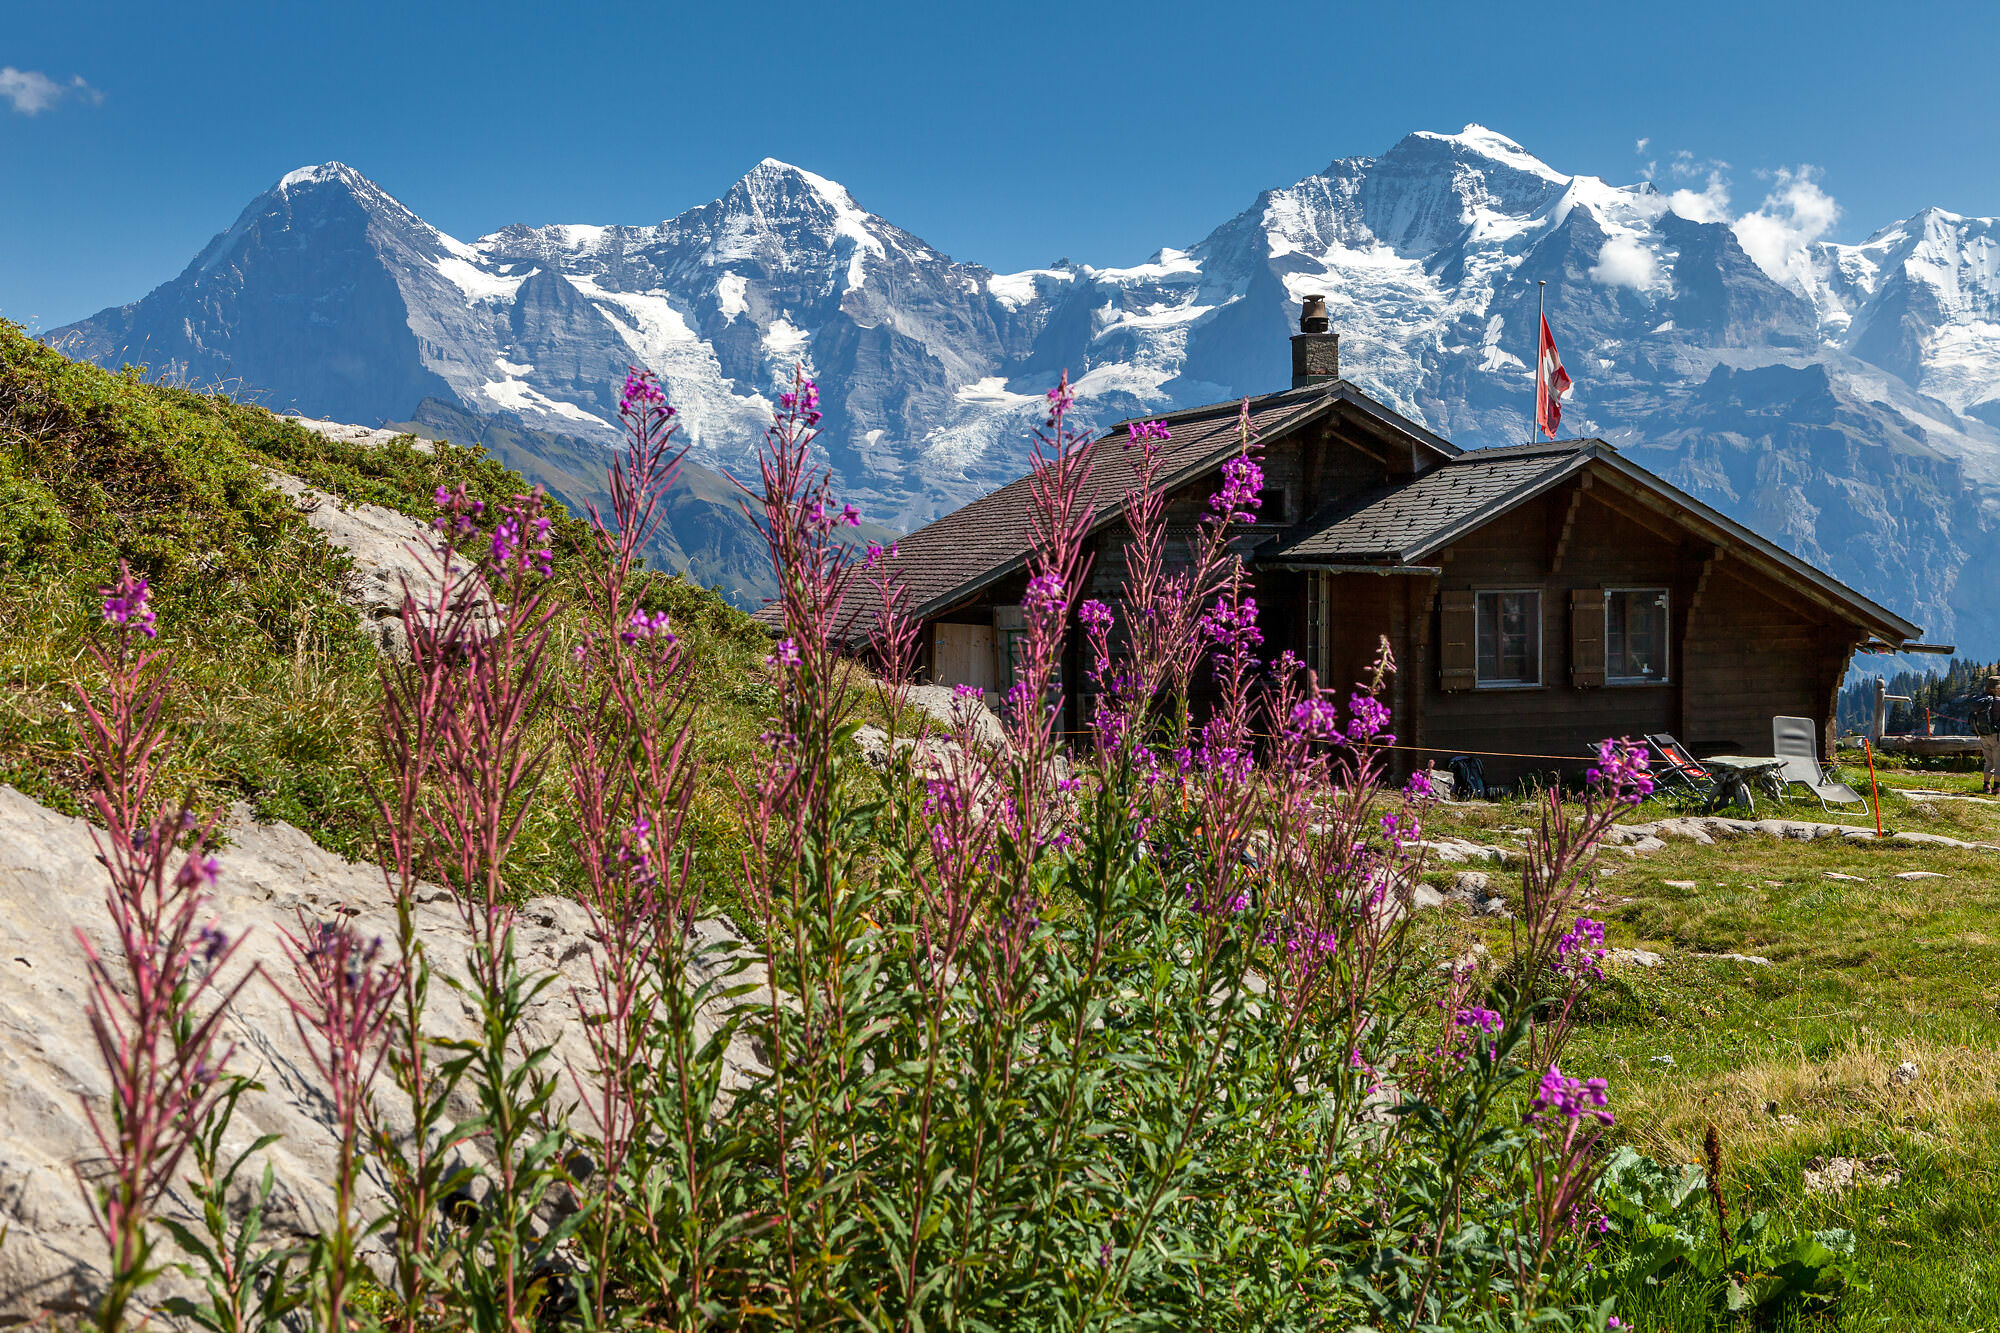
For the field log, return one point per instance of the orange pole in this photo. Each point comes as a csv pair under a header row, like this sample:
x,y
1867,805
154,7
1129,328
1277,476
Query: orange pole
x,y
1868,748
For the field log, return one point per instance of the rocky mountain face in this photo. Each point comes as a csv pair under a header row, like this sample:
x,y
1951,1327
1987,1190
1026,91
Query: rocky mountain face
x,y
1845,399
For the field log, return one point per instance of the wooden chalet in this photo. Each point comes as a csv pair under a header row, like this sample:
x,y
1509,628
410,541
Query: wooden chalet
x,y
1538,598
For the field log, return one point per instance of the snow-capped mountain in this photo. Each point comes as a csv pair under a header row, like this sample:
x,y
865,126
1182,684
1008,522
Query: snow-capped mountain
x,y
1846,402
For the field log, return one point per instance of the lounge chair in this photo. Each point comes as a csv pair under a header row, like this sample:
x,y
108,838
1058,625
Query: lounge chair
x,y
1796,741
1679,774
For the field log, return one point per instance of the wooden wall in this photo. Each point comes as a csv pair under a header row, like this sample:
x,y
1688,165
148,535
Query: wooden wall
x,y
1753,651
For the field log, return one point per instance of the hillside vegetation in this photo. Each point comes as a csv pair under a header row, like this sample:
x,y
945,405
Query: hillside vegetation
x,y
276,686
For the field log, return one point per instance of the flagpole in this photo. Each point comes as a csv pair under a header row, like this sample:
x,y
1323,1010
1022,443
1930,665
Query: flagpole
x,y
1534,435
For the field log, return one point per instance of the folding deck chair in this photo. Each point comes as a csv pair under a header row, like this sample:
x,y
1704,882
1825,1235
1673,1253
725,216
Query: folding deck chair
x,y
1796,741
1680,773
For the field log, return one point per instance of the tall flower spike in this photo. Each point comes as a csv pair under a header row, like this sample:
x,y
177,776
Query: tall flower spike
x,y
125,603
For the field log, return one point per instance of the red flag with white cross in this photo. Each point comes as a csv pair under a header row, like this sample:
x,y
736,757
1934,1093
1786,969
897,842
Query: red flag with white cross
x,y
1551,383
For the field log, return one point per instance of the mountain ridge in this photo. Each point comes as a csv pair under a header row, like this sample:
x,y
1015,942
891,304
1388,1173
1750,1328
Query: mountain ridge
x,y
328,290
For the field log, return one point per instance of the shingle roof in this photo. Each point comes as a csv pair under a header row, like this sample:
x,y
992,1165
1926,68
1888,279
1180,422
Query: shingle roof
x,y
969,547
1404,518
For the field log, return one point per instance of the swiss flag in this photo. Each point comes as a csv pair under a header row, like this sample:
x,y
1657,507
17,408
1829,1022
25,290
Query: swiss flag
x,y
1551,383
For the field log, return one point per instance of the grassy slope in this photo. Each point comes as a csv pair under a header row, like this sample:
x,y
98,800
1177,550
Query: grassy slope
x,y
275,686
1863,976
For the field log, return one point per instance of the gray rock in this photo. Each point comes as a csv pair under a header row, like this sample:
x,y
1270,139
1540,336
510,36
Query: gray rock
x,y
1645,958
949,712
368,435
1904,1074
1420,897
1835,1175
51,886
390,552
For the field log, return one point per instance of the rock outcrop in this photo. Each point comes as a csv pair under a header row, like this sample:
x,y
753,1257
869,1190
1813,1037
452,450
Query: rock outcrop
x,y
273,879
390,552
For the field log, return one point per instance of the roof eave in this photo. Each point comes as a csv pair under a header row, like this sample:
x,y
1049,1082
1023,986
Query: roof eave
x,y
1871,613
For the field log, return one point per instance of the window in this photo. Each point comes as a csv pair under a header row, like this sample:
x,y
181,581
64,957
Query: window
x,y
1271,505
1635,635
1510,638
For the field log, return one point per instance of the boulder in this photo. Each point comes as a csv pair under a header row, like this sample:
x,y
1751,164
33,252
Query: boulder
x,y
943,704
51,887
389,551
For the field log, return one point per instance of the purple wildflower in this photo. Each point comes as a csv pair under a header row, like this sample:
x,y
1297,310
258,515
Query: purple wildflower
x,y
1232,626
1369,719
1043,597
642,627
1571,1098
1238,500
1620,771
125,603
804,403
1313,720
1483,1020
642,393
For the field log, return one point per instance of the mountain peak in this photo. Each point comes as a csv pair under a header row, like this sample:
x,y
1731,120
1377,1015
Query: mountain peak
x,y
322,174
1478,141
772,173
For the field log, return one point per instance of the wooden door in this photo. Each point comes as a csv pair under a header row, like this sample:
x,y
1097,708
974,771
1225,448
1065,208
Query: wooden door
x,y
963,655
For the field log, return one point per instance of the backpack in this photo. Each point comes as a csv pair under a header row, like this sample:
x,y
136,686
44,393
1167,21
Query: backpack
x,y
1985,715
1468,777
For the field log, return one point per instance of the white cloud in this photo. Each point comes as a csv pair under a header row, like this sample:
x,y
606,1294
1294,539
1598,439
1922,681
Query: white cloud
x,y
1708,204
1624,262
1641,146
32,92
1794,214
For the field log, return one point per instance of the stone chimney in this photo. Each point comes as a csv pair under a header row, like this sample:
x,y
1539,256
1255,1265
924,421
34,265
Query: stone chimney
x,y
1315,352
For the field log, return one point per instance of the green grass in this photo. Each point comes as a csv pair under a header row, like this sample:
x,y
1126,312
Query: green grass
x,y
275,687
1793,1061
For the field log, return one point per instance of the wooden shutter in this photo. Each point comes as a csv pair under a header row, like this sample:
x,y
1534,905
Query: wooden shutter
x,y
1458,627
1586,638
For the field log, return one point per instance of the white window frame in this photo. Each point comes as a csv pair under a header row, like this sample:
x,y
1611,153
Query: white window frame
x,y
1479,640
1666,675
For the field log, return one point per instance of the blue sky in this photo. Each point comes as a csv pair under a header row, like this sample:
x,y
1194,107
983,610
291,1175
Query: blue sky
x,y
1009,135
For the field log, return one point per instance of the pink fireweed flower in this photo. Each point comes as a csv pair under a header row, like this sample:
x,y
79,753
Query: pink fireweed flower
x,y
198,872
1570,1098
521,537
1060,398
1369,717
1094,616
125,603
1148,436
804,403
1238,500
1043,597
1481,1020
642,391
642,627
785,654
1620,771
1231,627
850,516
461,512
1313,720
1580,951
1419,786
